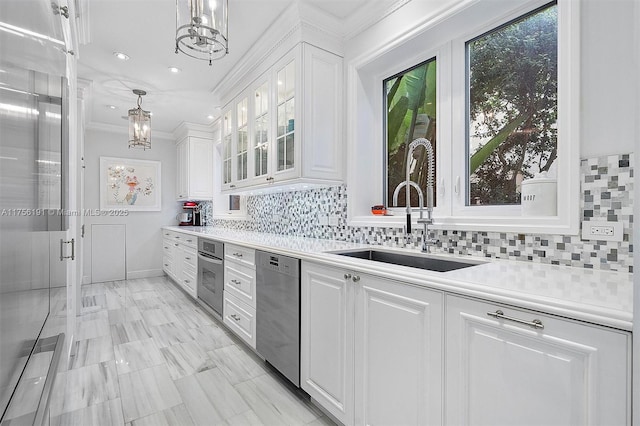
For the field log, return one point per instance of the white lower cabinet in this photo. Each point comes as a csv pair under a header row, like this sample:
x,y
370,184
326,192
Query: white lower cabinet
x,y
381,352
501,371
239,307
398,353
180,260
395,333
326,339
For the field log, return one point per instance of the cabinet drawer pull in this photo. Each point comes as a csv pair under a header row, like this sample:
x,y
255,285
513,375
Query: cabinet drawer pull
x,y
347,276
187,281
175,244
235,317
536,323
189,241
166,247
356,278
187,258
166,264
232,186
236,282
237,254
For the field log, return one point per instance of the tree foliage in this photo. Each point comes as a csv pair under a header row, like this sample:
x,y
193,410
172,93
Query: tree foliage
x,y
513,88
411,114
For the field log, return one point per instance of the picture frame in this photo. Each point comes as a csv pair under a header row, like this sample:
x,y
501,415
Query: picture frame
x,y
128,184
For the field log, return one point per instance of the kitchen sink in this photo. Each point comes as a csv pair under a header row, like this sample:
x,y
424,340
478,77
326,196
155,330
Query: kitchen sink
x,y
430,263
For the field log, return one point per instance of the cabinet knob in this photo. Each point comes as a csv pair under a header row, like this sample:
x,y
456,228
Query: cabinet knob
x,y
175,244
166,264
232,186
187,281
347,276
356,278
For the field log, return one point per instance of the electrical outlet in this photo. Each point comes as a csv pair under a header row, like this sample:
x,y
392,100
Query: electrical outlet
x,y
333,220
323,220
601,230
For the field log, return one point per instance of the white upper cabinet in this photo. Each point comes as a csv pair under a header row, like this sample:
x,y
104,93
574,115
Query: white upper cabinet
x,y
194,168
286,129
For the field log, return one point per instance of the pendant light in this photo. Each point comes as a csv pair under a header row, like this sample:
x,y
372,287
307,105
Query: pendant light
x,y
202,28
139,124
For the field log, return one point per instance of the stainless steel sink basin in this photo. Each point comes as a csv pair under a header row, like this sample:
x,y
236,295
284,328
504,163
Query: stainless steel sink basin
x,y
430,263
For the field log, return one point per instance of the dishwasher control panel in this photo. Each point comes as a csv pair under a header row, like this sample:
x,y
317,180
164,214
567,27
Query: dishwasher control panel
x,y
277,263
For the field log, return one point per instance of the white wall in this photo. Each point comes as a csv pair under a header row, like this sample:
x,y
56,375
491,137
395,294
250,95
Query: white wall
x,y
143,236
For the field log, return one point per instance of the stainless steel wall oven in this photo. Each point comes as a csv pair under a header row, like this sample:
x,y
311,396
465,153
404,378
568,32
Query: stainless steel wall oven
x,y
211,273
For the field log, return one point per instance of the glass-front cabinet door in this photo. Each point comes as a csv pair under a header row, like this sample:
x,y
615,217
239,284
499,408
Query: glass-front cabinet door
x,y
261,134
285,136
227,143
242,147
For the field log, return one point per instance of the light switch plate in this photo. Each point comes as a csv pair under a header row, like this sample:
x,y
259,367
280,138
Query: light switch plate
x,y
602,230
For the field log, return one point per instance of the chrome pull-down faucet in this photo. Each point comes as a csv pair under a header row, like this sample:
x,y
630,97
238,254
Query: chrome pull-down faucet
x,y
408,183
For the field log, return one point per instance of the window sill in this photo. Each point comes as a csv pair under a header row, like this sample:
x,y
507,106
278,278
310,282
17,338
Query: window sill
x,y
506,224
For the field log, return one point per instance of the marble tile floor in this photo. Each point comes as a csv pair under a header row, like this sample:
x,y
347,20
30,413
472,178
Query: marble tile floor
x,y
146,354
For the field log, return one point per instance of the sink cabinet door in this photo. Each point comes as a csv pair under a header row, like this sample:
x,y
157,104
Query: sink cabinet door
x,y
398,348
326,339
500,372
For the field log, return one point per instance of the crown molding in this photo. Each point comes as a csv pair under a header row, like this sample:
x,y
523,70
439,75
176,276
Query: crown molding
x,y
185,129
299,22
363,19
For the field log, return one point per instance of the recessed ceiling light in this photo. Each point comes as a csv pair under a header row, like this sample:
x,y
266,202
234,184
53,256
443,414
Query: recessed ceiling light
x,y
174,70
111,106
210,117
121,56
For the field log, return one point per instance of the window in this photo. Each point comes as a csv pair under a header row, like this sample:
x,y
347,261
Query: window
x,y
410,100
512,106
507,106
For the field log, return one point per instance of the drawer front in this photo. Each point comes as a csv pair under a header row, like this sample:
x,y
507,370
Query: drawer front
x,y
166,248
186,239
240,281
242,255
169,235
240,318
189,281
167,262
190,257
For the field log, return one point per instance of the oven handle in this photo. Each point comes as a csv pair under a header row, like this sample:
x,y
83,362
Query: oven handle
x,y
209,259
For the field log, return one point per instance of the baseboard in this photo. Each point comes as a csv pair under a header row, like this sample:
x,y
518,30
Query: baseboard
x,y
86,280
145,273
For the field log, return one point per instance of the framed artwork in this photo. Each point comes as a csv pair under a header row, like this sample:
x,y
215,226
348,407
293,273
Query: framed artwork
x,y
128,184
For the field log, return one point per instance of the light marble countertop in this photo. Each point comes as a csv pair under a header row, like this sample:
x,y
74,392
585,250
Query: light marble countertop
x,y
600,297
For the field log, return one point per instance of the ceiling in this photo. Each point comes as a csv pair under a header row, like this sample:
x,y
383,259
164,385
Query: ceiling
x,y
145,31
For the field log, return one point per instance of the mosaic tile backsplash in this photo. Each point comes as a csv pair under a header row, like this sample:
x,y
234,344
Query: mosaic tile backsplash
x,y
606,194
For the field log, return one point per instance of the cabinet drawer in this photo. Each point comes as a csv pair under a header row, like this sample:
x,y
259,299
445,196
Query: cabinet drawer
x,y
190,257
186,239
168,235
166,247
240,318
240,281
242,255
189,281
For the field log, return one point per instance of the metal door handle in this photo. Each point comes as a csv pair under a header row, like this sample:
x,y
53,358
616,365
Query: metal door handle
x,y
536,323
73,249
356,278
347,276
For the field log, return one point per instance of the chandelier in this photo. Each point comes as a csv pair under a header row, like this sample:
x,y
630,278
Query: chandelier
x,y
139,124
202,28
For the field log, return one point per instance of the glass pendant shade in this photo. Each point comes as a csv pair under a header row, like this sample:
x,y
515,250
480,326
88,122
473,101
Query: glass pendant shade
x,y
202,28
139,125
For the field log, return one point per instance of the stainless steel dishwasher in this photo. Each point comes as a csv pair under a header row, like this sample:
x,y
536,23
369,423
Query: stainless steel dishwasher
x,y
278,312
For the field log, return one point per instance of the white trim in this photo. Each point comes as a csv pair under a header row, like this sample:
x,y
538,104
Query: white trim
x,y
144,273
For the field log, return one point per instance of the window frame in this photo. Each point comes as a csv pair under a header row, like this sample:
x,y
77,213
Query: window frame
x,y
366,73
